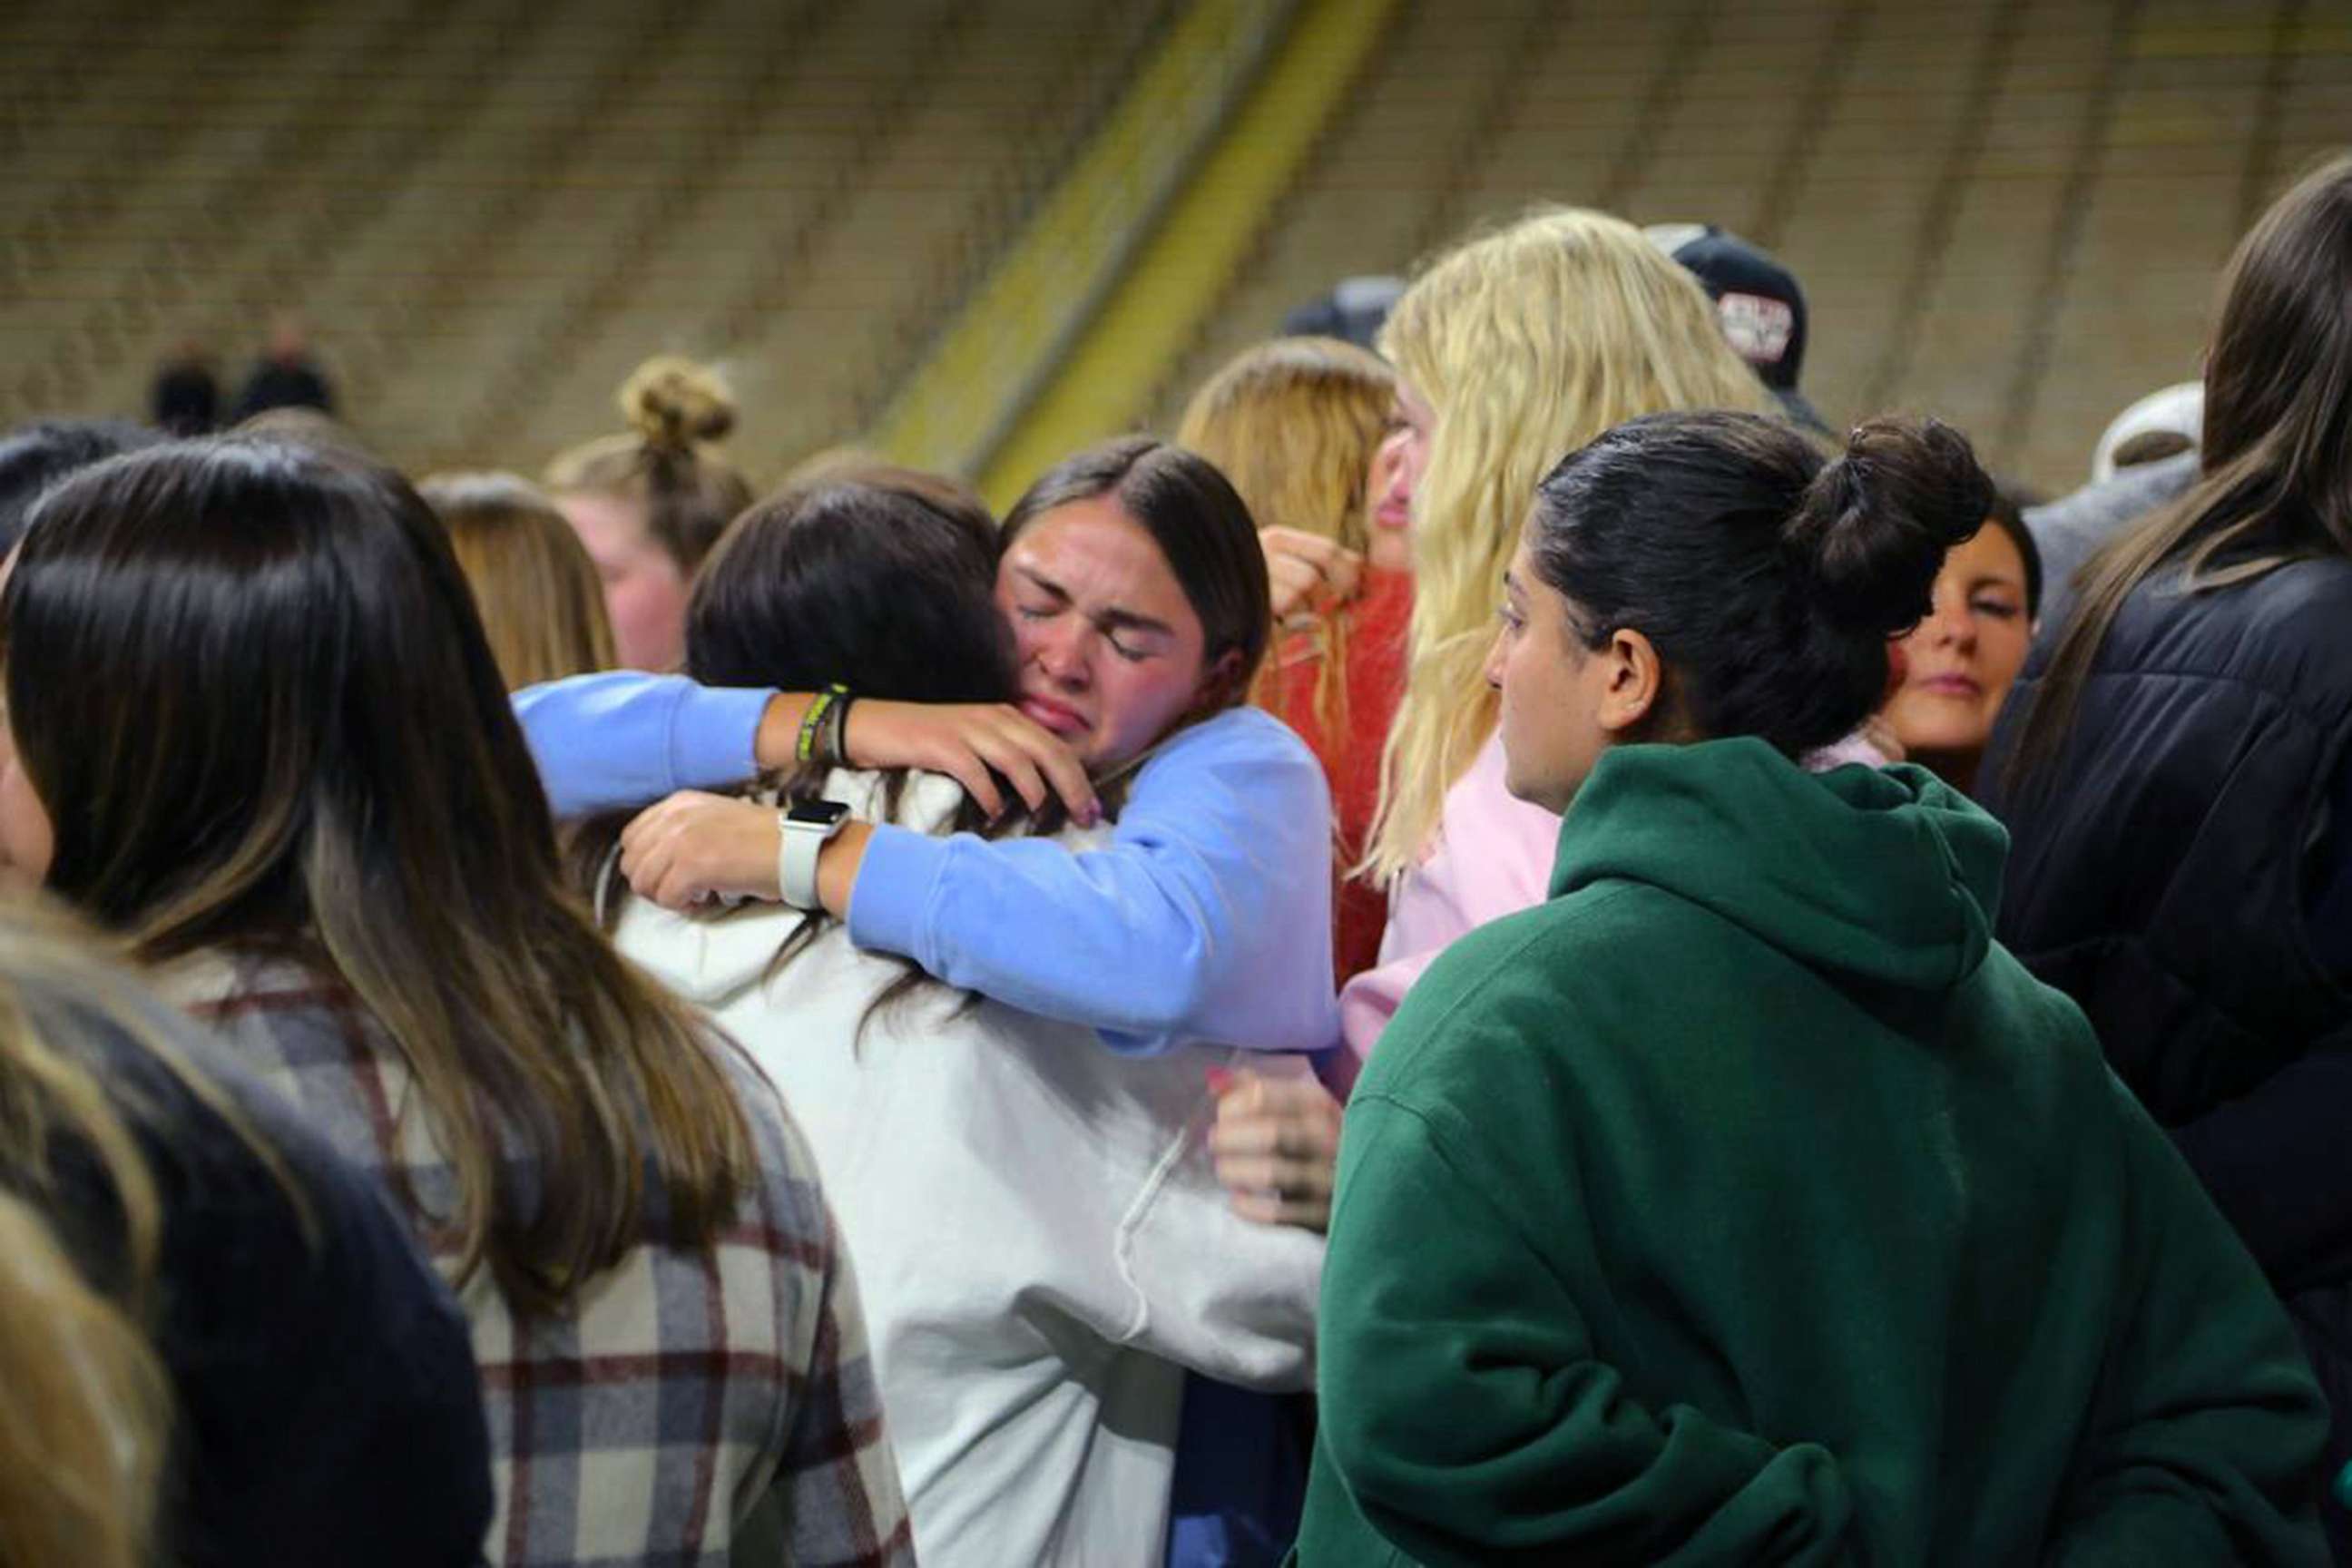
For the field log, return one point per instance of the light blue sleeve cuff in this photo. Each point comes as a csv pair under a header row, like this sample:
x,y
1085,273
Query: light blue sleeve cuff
x,y
894,887
714,735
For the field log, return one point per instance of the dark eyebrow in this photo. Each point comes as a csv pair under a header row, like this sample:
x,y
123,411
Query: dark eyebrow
x,y
1111,620
1045,584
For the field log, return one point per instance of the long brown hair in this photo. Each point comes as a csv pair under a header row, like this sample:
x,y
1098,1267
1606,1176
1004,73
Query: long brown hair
x,y
249,683
1294,424
878,578
2276,480
540,600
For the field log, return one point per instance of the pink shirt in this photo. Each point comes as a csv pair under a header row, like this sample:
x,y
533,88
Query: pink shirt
x,y
1492,856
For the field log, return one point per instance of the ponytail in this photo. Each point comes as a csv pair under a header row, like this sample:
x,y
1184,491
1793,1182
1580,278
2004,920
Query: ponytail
x,y
1769,581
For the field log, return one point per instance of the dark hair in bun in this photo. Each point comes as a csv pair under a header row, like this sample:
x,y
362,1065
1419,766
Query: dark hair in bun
x,y
1769,580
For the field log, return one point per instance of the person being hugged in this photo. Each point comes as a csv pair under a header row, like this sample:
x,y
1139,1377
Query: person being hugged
x,y
1136,595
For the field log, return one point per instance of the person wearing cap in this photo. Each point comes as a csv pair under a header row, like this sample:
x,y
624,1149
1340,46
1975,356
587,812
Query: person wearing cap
x,y
1353,311
1757,301
2146,457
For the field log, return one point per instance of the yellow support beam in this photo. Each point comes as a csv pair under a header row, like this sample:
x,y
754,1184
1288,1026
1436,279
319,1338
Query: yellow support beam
x,y
1157,308
1007,339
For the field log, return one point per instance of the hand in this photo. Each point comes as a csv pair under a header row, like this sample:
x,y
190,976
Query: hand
x,y
973,742
1309,575
694,847
1276,1144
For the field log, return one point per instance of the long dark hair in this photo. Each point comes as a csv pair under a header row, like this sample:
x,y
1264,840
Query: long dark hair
x,y
1769,580
249,684
879,578
1203,528
2276,480
36,455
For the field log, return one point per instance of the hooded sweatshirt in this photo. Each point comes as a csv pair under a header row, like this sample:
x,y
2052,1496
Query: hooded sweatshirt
x,y
1042,1247
1745,1203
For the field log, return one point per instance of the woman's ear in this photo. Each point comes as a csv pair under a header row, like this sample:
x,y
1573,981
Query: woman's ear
x,y
1217,682
1633,676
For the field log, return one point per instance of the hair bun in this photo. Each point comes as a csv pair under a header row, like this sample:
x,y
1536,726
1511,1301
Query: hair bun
x,y
1874,525
672,403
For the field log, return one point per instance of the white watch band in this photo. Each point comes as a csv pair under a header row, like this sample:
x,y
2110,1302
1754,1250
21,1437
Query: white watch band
x,y
796,854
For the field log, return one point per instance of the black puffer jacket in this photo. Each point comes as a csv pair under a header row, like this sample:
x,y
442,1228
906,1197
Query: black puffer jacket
x,y
2164,874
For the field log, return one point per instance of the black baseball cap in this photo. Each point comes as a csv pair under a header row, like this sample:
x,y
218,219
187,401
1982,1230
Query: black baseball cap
x,y
1757,300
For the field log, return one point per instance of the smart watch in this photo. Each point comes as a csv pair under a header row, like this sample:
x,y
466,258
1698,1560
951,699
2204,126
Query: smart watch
x,y
806,827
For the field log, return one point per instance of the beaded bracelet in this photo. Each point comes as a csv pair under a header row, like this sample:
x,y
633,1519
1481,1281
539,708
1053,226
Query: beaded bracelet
x,y
804,748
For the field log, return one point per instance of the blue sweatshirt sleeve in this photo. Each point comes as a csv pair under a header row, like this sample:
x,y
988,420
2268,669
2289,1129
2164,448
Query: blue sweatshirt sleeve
x,y
1207,918
623,738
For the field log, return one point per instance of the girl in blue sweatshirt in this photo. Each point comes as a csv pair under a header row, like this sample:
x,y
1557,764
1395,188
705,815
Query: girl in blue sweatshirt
x,y
1137,600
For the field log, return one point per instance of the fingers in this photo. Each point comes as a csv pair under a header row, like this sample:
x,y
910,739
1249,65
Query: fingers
x,y
1309,572
1304,1214
649,850
1065,774
966,769
691,846
1275,1146
1037,763
1291,584
982,746
1016,767
1269,1173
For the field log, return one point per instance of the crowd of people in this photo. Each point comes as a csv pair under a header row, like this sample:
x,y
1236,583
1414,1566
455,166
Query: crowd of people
x,y
1504,950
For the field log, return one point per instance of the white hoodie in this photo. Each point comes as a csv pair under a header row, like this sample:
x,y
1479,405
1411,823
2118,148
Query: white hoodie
x,y
1040,1243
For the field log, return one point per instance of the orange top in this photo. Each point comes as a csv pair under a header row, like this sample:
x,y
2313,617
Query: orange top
x,y
1351,760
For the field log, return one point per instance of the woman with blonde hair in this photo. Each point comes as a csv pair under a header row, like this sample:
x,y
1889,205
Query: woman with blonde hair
x,y
1526,344
1302,427
651,503
217,1344
538,591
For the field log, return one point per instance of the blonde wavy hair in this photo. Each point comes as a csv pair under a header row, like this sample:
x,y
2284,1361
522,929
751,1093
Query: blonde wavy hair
x,y
1294,424
541,599
1526,342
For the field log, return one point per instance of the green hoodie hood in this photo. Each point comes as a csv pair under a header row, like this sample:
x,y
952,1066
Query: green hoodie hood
x,y
1886,875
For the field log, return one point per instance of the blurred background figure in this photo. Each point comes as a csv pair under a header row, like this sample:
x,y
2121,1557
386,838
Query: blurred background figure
x,y
649,503
541,603
34,456
186,397
1353,311
2165,423
287,376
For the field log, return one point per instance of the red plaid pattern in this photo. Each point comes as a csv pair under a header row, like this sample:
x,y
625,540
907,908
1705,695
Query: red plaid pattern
x,y
690,1399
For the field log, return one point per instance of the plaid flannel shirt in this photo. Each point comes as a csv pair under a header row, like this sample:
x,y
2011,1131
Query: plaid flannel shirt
x,y
688,1394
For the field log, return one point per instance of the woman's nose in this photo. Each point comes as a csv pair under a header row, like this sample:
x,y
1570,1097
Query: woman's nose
x,y
1060,650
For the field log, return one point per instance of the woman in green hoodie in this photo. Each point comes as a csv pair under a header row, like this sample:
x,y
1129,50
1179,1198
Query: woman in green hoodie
x,y
1745,1201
